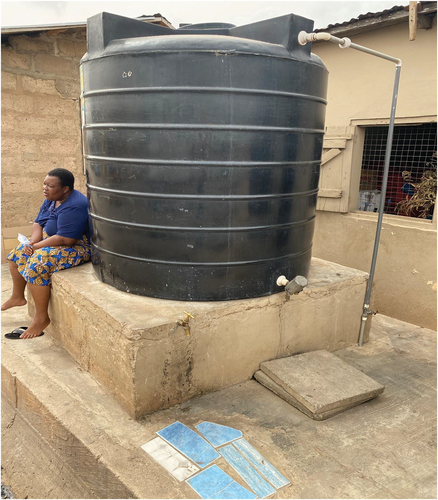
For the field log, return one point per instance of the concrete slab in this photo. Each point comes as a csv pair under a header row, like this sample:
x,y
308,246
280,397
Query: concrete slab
x,y
64,436
267,382
318,383
136,347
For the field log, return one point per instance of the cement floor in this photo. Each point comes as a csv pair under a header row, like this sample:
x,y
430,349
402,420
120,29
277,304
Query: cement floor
x,y
385,448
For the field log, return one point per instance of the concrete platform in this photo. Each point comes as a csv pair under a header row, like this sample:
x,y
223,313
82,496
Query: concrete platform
x,y
134,346
64,436
318,383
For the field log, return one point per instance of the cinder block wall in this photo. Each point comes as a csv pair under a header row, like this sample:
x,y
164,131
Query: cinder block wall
x,y
40,121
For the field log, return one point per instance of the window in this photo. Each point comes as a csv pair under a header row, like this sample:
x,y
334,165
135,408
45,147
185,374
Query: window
x,y
411,189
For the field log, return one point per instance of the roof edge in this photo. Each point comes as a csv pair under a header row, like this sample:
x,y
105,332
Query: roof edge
x,y
17,30
372,21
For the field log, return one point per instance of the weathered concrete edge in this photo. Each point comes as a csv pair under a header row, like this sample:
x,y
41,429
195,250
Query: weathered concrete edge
x,y
32,452
221,310
267,382
90,466
215,309
318,409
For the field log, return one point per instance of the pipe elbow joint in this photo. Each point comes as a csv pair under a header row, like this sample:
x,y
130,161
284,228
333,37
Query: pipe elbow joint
x,y
304,37
322,36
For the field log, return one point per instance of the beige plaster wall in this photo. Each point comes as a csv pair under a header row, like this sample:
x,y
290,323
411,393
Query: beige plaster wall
x,y
360,86
40,122
359,92
405,284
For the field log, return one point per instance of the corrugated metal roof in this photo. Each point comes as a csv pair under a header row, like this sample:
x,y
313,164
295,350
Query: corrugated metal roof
x,y
364,16
385,18
373,20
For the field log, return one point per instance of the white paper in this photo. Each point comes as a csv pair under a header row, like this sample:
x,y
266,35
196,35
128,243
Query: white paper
x,y
23,240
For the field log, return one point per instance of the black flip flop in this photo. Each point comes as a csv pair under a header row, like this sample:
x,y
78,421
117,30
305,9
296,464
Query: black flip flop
x,y
15,334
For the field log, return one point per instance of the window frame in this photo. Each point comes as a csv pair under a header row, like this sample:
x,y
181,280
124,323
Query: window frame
x,y
358,128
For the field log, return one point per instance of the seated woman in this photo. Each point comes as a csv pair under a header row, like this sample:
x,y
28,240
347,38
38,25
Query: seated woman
x,y
60,240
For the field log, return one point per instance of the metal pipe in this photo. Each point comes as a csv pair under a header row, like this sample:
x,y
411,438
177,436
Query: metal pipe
x,y
366,307
345,43
375,53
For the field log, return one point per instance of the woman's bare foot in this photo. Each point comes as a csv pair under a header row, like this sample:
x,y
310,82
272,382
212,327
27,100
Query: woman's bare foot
x,y
36,328
14,302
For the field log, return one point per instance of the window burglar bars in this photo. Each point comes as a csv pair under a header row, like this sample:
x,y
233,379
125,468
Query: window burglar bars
x,y
414,151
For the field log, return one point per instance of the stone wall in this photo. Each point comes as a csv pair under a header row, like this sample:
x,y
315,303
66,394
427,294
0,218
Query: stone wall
x,y
40,121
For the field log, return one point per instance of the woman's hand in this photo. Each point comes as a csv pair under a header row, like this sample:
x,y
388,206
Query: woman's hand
x,y
28,250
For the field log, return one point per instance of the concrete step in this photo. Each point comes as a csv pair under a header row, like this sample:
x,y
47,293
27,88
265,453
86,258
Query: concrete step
x,y
64,435
318,383
137,348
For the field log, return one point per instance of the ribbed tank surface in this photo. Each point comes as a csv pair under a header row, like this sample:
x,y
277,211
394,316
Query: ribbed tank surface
x,y
202,150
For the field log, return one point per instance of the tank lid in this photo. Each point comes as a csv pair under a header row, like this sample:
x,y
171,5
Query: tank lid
x,y
206,26
104,28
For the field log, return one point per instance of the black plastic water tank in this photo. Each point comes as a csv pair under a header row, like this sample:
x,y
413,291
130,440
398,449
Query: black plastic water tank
x,y
202,150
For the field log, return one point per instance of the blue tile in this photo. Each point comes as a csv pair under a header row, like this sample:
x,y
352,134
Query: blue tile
x,y
234,490
246,471
260,463
215,483
210,481
189,443
218,434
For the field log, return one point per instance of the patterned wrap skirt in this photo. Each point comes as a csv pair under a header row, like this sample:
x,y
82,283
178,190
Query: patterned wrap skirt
x,y
39,267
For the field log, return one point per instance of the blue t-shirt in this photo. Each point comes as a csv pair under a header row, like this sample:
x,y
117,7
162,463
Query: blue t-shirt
x,y
70,219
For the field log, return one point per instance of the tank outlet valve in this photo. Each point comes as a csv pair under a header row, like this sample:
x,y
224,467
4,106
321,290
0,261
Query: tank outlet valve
x,y
294,286
185,323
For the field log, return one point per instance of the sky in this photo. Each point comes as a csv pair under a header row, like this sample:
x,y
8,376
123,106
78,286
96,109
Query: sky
x,y
240,12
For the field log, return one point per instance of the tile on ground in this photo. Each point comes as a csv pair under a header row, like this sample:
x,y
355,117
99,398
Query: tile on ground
x,y
260,463
170,459
217,434
251,477
189,443
215,483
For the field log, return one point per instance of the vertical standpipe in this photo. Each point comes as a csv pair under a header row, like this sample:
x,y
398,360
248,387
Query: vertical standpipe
x,y
345,43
